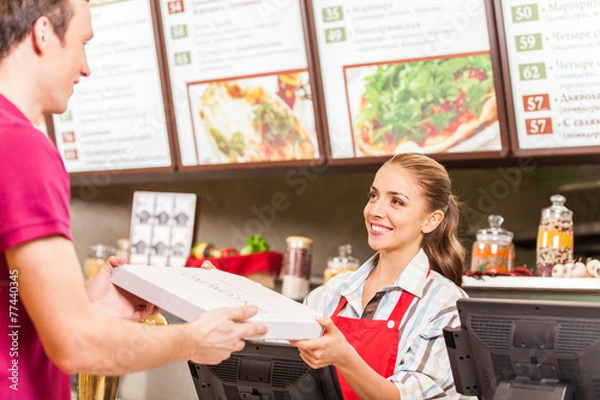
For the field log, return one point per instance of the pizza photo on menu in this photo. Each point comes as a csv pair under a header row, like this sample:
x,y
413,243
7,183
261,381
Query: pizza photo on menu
x,y
430,106
254,120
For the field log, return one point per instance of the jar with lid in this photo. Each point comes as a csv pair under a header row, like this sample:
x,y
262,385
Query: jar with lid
x,y
295,271
123,249
342,263
555,236
493,251
96,258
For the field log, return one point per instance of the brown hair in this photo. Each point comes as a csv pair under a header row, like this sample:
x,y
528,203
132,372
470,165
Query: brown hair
x,y
17,18
445,252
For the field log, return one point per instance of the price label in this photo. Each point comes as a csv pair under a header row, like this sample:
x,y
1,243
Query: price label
x,y
331,14
536,102
175,6
529,72
71,154
183,58
335,35
529,42
179,31
525,13
538,126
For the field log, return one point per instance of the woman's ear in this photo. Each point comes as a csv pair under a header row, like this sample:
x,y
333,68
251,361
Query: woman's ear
x,y
432,221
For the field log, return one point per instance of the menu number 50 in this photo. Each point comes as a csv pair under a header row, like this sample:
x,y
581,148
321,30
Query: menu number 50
x,y
527,12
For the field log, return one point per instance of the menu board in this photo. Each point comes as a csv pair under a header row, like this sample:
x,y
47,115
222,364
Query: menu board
x,y
552,52
115,119
403,76
240,82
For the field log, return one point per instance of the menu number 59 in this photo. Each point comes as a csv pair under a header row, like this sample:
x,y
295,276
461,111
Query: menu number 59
x,y
527,12
529,42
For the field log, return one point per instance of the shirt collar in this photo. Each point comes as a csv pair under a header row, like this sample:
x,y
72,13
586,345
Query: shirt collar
x,y
412,279
6,104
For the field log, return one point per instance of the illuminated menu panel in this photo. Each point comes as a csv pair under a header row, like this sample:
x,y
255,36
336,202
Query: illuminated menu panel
x,y
240,82
405,76
553,55
115,119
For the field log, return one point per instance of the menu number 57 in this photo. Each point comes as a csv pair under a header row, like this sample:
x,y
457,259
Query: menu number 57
x,y
527,12
538,126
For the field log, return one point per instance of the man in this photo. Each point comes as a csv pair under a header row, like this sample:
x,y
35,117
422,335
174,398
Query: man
x,y
51,325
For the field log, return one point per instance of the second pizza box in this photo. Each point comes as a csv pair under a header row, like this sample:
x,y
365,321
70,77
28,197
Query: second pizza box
x,y
188,292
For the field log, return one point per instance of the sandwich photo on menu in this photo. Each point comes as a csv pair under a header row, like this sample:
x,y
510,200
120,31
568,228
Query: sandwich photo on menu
x,y
254,120
430,106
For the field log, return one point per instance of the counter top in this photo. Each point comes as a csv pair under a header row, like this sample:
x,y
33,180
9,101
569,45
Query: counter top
x,y
532,283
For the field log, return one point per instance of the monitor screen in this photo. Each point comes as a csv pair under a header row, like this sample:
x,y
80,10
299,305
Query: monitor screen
x,y
265,371
526,349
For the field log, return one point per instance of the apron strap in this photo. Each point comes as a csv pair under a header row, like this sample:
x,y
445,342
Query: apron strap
x,y
340,306
406,298
404,302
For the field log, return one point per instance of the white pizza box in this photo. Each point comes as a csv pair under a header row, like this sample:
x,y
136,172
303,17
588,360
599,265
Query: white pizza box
x,y
187,292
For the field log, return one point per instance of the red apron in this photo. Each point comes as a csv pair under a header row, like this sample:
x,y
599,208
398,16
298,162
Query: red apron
x,y
375,340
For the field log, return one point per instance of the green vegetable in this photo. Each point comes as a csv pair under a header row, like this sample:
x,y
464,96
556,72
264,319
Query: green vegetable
x,y
411,101
233,148
220,140
237,143
254,244
274,123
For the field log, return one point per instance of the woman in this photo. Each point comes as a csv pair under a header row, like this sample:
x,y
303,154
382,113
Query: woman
x,y
384,334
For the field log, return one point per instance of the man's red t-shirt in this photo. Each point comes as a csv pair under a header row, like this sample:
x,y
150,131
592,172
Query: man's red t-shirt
x,y
34,202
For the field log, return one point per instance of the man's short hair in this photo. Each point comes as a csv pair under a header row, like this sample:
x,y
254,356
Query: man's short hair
x,y
17,18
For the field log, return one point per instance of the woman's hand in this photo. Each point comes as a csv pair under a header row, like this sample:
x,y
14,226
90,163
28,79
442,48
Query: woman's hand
x,y
112,300
330,349
207,265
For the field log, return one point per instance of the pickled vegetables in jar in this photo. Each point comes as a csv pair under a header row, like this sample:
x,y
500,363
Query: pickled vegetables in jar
x,y
493,251
555,236
342,263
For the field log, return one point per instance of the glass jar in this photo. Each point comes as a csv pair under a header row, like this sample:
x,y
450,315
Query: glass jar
x,y
123,249
555,236
96,258
342,263
295,271
493,251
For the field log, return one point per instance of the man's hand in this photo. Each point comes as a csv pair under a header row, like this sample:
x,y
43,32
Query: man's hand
x,y
112,300
330,349
220,332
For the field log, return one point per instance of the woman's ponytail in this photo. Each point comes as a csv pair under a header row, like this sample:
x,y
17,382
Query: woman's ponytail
x,y
445,252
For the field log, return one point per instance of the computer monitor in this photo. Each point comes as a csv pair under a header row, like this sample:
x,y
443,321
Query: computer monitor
x,y
265,371
526,349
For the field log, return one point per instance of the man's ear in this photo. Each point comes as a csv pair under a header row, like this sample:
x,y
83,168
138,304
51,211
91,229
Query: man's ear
x,y
41,34
432,221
